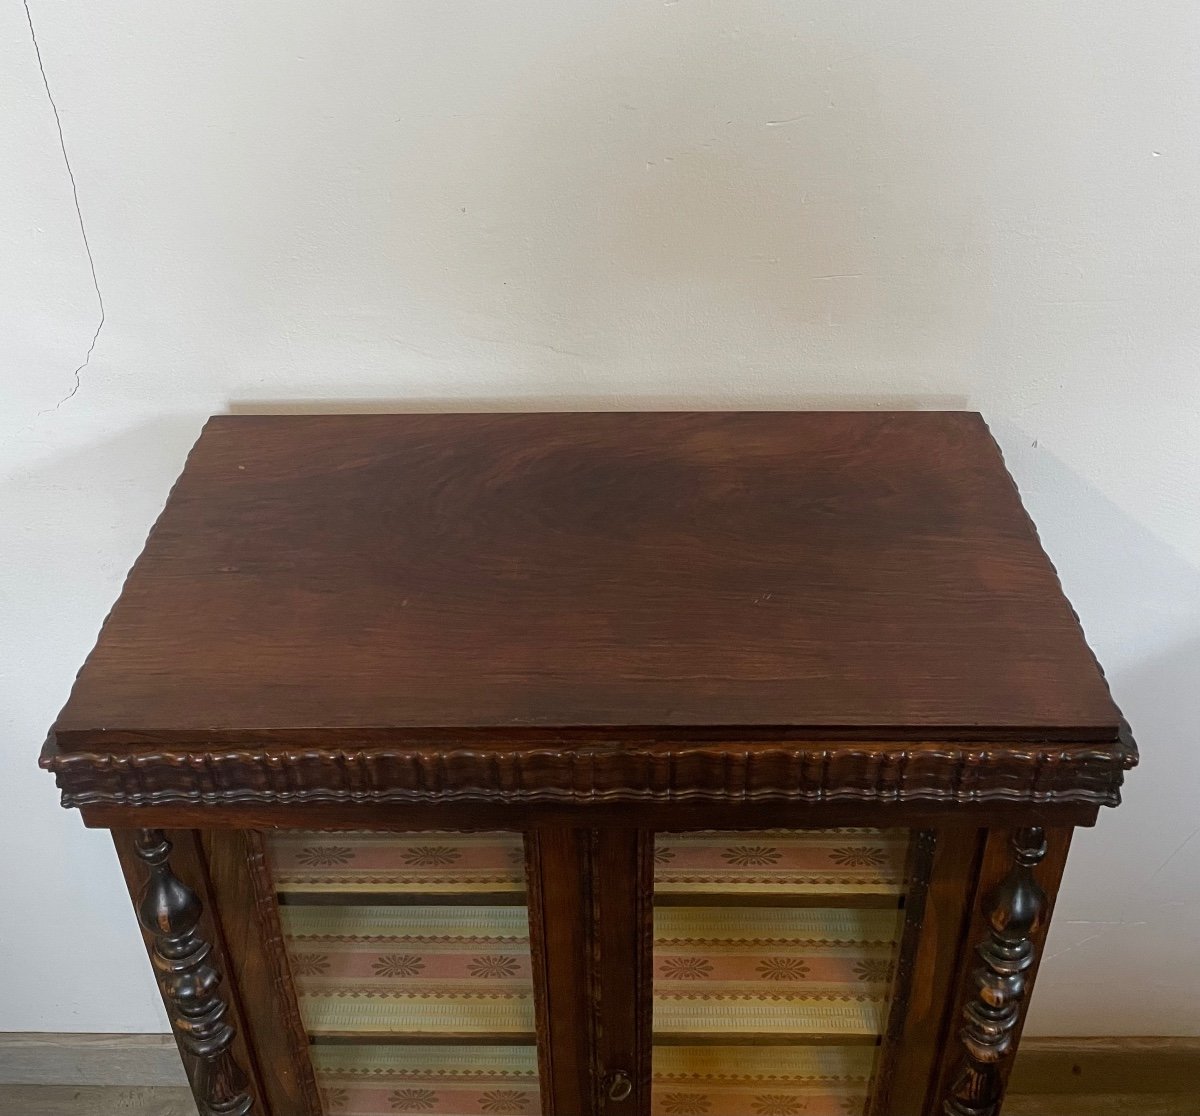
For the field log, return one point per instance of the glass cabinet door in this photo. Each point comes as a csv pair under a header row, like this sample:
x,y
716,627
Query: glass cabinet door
x,y
774,958
411,961
772,968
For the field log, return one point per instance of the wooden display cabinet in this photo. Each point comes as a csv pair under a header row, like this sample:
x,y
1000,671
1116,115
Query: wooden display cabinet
x,y
593,764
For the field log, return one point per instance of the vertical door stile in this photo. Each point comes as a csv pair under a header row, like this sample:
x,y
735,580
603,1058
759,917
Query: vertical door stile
x,y
559,881
623,931
918,872
246,905
916,1040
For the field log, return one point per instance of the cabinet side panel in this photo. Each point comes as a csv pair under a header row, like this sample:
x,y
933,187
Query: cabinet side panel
x,y
246,907
558,873
189,864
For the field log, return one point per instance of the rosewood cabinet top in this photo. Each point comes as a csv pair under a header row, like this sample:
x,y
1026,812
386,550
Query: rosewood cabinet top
x,y
394,579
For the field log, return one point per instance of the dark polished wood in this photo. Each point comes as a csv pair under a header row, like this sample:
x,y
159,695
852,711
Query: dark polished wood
x,y
918,1050
730,814
734,771
992,866
622,935
918,879
169,912
1015,913
589,628
558,865
244,901
321,578
189,863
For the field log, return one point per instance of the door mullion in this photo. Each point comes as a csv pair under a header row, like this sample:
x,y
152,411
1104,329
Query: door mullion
x,y
558,873
623,930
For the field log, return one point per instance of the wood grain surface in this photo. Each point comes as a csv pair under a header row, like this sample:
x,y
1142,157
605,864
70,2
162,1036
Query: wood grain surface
x,y
390,577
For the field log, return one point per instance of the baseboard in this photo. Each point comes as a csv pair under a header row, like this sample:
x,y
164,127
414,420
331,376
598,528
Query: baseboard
x,y
35,1058
1096,1066
1050,1066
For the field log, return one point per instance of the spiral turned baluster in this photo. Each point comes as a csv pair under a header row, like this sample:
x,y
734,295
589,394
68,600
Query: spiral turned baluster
x,y
170,912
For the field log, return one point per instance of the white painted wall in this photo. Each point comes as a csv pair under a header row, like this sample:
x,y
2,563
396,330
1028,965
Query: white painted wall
x,y
610,203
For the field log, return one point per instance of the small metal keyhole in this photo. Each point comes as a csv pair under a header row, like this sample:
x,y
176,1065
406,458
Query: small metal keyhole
x,y
619,1086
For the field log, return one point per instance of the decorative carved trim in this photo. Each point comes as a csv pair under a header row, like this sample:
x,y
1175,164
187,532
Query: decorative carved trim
x,y
1015,912
935,773
170,913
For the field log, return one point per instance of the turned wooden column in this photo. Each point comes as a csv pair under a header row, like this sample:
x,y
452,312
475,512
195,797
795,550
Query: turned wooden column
x,y
992,1015
170,912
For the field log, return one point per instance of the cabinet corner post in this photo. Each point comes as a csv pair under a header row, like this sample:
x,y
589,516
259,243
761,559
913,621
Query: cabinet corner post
x,y
1016,911
170,913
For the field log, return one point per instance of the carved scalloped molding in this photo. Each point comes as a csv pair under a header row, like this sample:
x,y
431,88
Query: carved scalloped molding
x,y
845,772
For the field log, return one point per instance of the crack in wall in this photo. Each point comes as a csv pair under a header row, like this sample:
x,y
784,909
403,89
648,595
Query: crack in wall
x,y
87,247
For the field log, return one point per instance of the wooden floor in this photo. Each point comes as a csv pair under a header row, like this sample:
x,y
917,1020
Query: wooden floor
x,y
75,1100
1109,1104
1052,1077
69,1100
